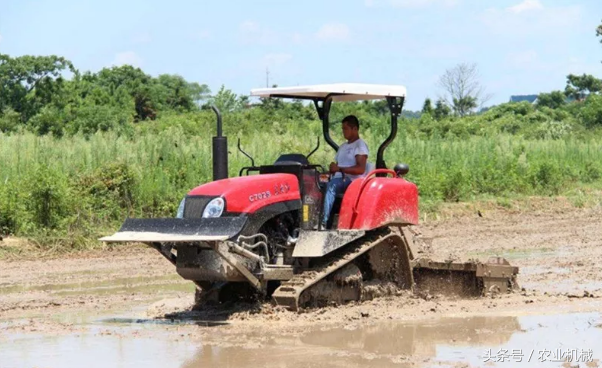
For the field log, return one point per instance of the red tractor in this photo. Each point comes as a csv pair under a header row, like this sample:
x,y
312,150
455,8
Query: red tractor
x,y
258,233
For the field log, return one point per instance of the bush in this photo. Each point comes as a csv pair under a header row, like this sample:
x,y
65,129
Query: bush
x,y
80,185
550,130
48,121
514,108
591,113
49,201
455,186
11,207
546,178
553,100
10,121
90,119
111,184
591,172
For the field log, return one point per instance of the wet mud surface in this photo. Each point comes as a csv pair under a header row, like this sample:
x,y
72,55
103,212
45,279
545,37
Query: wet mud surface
x,y
129,308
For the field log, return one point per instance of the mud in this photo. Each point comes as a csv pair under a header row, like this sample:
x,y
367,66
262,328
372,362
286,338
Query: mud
x,y
127,307
531,341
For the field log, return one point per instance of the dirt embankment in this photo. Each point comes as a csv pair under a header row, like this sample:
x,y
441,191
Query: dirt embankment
x,y
559,253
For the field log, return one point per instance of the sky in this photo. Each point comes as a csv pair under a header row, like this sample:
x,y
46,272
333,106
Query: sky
x,y
520,46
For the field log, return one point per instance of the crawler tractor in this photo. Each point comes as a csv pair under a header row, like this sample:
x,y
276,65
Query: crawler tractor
x,y
257,234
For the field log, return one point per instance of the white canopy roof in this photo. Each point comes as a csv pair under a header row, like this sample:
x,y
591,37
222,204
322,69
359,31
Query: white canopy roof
x,y
343,91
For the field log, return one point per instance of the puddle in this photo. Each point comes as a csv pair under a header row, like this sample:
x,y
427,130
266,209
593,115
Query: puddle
x,y
565,286
478,341
131,284
96,272
150,288
538,270
543,341
515,254
169,322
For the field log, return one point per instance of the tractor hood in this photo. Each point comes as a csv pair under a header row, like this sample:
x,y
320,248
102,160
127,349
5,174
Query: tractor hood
x,y
248,194
243,196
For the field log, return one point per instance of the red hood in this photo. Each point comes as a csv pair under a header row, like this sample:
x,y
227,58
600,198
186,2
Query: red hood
x,y
247,194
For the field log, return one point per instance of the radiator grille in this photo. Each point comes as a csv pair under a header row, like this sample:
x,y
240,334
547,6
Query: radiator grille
x,y
194,206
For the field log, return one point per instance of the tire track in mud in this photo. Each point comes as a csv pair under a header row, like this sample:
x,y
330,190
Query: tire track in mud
x,y
560,255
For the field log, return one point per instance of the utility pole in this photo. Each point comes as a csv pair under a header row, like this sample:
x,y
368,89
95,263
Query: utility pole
x,y
267,77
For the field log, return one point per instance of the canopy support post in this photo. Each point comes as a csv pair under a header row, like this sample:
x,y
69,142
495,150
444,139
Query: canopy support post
x,y
323,108
395,106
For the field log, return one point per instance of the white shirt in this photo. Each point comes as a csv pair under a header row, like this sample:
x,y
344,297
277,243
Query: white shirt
x,y
345,156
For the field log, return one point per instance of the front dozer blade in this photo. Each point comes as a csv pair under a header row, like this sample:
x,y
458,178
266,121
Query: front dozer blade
x,y
177,230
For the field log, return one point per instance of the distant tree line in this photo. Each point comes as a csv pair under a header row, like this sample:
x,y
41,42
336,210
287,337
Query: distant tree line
x,y
463,93
36,94
48,95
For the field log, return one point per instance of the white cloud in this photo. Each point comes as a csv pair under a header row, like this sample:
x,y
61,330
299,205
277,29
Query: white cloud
x,y
278,59
445,51
575,65
201,35
249,27
297,38
333,32
410,3
544,68
141,38
530,18
526,5
253,32
127,58
524,60
0,38
280,65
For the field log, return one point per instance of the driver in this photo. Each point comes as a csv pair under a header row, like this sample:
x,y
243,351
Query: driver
x,y
350,164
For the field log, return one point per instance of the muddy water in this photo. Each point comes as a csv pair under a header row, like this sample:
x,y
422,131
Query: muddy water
x,y
93,311
122,341
129,284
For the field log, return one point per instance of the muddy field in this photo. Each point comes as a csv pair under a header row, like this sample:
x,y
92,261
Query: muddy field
x,y
108,309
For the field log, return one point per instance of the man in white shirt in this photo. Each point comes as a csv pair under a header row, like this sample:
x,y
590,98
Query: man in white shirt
x,y
350,164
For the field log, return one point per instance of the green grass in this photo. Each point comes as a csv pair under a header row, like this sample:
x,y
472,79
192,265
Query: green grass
x,y
66,192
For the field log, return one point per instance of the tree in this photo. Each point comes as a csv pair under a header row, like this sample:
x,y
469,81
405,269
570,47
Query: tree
x,y
226,100
464,105
579,86
463,89
591,113
427,108
144,90
379,107
441,110
27,83
9,120
178,94
553,100
270,104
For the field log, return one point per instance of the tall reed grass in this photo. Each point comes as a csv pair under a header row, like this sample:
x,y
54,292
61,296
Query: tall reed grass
x,y
86,185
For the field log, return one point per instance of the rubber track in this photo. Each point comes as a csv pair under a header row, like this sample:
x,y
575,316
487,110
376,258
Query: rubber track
x,y
289,291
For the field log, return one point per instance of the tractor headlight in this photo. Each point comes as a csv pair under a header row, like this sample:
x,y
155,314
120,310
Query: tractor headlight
x,y
180,213
214,208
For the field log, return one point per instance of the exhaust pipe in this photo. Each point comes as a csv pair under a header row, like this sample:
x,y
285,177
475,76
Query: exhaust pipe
x,y
220,150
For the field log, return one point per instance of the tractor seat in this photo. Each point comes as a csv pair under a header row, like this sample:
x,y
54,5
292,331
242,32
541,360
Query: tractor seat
x,y
292,159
